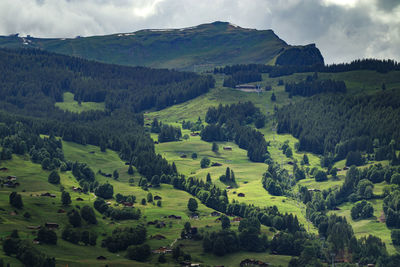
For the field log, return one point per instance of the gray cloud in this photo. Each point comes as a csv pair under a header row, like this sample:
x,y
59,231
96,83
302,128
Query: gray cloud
x,y
343,30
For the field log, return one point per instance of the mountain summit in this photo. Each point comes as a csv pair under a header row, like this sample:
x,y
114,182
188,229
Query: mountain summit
x,y
194,48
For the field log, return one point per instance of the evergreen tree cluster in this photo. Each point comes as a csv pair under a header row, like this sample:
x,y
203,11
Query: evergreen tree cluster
x,y
122,238
229,123
340,124
75,236
362,210
241,77
276,180
126,213
378,65
35,79
193,126
26,252
169,133
312,87
228,177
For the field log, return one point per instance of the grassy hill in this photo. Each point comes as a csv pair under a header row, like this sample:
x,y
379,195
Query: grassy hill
x,y
33,182
357,82
197,48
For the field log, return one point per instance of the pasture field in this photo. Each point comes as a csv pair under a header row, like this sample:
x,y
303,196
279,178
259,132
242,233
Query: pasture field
x,y
33,182
69,104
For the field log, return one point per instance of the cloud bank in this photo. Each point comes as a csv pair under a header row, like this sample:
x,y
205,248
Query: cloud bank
x,y
343,29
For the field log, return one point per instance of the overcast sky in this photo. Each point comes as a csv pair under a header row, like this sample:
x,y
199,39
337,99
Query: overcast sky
x,y
342,29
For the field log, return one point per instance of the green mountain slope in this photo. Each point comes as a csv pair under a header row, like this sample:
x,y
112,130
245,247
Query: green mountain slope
x,y
195,48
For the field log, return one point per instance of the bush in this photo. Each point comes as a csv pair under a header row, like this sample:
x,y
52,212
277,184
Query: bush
x,y
138,253
396,237
192,204
16,200
321,176
47,236
88,214
65,198
105,191
205,162
362,210
54,177
74,218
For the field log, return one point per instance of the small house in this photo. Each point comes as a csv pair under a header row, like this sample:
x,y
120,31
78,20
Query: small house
x,y
194,134
102,258
237,219
241,195
51,225
174,217
184,156
158,237
215,213
162,250
3,169
157,198
33,227
79,199
11,178
229,148
127,204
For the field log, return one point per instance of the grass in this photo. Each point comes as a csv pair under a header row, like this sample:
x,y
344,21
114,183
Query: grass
x,y
248,174
69,104
371,226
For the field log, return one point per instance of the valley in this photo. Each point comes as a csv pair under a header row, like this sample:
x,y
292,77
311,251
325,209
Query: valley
x,y
114,165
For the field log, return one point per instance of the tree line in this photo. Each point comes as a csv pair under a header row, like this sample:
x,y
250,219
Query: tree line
x,y
229,123
35,79
336,125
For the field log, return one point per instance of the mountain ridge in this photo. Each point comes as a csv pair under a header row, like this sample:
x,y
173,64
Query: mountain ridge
x,y
193,48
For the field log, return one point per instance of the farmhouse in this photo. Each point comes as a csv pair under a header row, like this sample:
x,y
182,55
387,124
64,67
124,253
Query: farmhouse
x,y
102,258
127,204
314,190
194,134
79,199
31,227
11,178
157,198
162,250
51,225
215,213
174,217
251,262
237,219
3,169
246,86
241,195
158,237
47,195
228,148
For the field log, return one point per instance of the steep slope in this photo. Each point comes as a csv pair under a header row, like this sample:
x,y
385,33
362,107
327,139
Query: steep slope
x,y
195,48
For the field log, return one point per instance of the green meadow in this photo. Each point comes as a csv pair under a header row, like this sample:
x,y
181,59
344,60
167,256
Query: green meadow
x,y
33,182
69,104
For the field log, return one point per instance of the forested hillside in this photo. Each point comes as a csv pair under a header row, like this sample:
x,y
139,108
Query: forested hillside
x,y
338,124
34,80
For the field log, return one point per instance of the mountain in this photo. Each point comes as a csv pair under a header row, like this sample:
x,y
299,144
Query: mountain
x,y
195,48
